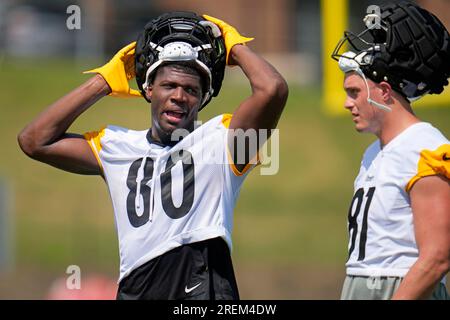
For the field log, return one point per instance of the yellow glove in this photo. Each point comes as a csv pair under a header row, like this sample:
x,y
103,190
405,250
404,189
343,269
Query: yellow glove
x,y
230,35
118,71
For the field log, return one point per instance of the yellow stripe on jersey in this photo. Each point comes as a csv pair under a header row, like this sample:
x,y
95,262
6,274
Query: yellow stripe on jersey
x,y
247,166
93,139
226,119
432,163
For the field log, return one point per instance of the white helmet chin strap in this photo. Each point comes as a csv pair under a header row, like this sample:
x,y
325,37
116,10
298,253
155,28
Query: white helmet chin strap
x,y
349,62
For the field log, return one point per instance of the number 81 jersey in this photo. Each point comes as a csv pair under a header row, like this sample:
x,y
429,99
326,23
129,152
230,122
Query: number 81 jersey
x,y
380,220
164,197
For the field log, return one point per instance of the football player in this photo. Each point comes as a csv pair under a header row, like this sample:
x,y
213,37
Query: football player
x,y
399,217
174,186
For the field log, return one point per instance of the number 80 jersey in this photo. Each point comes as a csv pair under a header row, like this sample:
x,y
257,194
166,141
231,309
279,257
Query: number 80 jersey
x,y
164,197
380,220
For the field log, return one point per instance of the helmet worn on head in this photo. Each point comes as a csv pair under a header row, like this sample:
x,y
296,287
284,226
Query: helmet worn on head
x,y
407,46
183,37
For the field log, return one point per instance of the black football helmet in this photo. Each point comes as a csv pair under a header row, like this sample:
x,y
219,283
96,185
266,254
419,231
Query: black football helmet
x,y
404,45
181,37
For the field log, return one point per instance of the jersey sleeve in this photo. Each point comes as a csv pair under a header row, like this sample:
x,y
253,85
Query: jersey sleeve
x,y
431,163
226,119
94,139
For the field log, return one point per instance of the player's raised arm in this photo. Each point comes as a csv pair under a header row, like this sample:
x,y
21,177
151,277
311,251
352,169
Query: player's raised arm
x,y
45,139
263,108
269,89
269,92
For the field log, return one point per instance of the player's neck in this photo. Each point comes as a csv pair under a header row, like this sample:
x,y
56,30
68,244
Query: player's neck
x,y
397,121
160,138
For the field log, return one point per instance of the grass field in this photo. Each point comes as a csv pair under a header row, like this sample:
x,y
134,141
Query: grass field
x,y
290,229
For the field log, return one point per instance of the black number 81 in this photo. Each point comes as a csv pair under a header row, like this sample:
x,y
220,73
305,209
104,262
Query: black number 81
x,y
353,224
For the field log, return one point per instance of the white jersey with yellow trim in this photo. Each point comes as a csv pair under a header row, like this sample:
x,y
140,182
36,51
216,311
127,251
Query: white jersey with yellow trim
x,y
380,220
164,197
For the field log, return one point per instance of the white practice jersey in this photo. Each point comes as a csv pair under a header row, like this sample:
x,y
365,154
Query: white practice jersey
x,y
164,197
380,220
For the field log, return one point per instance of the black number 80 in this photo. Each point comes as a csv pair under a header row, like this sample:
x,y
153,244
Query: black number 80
x,y
138,205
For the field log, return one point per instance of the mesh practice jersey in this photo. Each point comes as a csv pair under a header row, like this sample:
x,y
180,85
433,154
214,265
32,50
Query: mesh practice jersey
x,y
164,197
380,220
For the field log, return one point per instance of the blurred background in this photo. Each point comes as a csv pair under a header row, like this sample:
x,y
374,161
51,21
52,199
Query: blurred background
x,y
290,237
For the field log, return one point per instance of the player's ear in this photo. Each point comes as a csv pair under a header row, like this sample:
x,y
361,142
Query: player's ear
x,y
386,91
149,92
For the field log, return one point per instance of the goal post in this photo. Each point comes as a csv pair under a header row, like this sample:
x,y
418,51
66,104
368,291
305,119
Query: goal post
x,y
334,22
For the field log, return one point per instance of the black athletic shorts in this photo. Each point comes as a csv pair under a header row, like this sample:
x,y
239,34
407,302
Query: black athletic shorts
x,y
197,271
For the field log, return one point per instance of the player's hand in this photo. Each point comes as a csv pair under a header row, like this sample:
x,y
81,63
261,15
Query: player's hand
x,y
118,71
230,35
